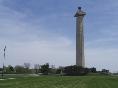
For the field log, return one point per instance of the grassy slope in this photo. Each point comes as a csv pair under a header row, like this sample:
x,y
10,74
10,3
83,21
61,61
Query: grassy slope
x,y
61,82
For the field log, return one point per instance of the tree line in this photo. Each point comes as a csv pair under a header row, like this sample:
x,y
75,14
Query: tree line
x,y
47,69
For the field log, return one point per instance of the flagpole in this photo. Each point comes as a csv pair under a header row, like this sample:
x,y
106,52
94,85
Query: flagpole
x,y
3,63
3,71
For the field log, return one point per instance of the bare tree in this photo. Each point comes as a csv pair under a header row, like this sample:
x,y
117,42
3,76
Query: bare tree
x,y
27,65
36,67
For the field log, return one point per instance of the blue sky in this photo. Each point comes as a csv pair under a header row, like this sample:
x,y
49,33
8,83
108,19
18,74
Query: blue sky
x,y
40,31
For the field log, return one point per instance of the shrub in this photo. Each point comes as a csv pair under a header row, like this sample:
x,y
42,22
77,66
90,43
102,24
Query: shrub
x,y
75,70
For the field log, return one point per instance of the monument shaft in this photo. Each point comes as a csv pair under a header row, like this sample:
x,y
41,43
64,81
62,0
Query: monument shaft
x,y
80,60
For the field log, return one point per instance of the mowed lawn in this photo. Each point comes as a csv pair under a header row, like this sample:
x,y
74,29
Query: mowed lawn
x,y
61,82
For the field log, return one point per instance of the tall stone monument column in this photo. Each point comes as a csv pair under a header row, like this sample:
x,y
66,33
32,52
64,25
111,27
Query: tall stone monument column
x,y
80,60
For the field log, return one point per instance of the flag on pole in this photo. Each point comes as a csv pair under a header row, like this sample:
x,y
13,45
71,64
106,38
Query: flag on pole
x,y
5,48
4,51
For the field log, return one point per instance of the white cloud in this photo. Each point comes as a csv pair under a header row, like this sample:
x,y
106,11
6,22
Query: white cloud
x,y
58,52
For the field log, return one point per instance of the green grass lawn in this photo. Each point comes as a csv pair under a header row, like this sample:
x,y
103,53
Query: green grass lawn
x,y
61,82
